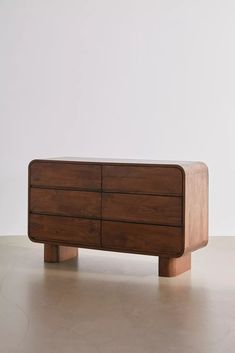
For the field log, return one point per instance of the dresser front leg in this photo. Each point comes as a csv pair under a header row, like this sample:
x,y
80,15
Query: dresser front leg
x,y
171,267
56,253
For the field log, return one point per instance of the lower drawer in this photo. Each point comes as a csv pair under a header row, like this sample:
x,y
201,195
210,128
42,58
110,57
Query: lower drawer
x,y
64,229
142,238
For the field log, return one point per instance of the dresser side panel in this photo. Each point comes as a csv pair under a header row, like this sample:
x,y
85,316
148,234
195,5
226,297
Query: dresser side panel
x,y
196,207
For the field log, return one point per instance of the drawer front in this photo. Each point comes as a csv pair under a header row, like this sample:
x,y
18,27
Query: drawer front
x,y
64,229
65,175
142,237
65,202
139,179
142,208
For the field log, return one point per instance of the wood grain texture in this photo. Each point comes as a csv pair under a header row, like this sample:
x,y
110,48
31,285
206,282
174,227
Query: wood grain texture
x,y
146,238
64,230
171,267
66,202
141,179
138,206
65,175
56,253
196,206
142,208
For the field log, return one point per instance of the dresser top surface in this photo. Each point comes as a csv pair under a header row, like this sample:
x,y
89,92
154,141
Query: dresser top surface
x,y
122,161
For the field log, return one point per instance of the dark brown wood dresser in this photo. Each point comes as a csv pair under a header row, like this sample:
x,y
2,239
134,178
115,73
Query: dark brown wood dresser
x,y
137,206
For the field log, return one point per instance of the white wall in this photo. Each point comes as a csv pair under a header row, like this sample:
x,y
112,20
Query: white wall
x,y
117,78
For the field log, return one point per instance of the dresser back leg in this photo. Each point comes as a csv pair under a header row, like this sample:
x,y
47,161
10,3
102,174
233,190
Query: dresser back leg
x,y
56,253
170,267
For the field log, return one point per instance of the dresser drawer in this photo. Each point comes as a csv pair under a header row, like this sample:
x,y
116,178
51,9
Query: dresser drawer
x,y
140,179
65,202
64,229
65,175
142,237
142,208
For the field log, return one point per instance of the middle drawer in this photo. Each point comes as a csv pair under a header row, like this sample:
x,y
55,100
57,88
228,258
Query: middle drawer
x,y
65,202
165,210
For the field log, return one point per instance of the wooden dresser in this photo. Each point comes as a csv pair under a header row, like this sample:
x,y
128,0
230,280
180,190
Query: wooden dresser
x,y
135,206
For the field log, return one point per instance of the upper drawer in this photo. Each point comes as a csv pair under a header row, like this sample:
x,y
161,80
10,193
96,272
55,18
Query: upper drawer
x,y
65,175
143,179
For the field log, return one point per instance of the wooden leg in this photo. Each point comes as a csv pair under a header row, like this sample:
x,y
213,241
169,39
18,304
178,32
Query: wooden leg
x,y
170,267
56,253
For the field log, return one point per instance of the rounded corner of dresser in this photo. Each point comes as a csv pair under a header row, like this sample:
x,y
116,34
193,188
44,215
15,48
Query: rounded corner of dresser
x,y
181,169
205,167
203,164
198,246
32,238
174,254
180,253
205,242
32,162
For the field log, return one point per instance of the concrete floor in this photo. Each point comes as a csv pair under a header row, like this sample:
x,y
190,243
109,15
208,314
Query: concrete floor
x,y
115,303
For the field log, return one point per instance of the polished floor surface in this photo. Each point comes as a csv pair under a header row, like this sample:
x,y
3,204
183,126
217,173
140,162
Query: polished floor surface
x,y
115,303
